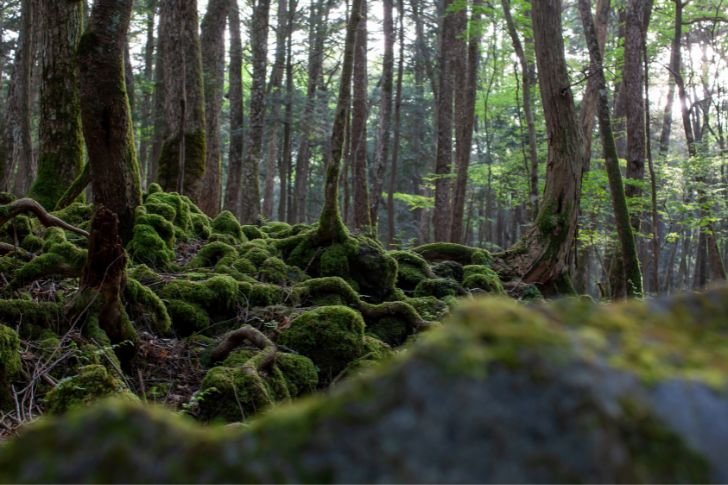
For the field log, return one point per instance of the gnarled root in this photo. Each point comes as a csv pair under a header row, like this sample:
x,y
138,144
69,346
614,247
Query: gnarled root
x,y
22,206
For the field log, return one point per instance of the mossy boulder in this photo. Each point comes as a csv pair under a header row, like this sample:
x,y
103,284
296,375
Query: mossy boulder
x,y
187,318
439,288
179,204
449,269
211,253
9,363
148,247
273,270
146,308
482,278
514,394
218,296
412,269
464,255
226,223
331,336
92,383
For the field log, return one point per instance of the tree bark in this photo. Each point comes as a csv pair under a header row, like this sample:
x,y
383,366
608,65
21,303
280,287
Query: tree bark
x,y
285,167
464,124
397,129
181,165
237,139
60,155
331,228
212,43
359,112
250,199
147,121
630,261
106,115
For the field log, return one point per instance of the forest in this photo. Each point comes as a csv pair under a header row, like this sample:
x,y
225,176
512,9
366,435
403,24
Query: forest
x,y
357,241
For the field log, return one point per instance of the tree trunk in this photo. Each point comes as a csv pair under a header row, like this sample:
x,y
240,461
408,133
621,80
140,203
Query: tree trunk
x,y
385,110
285,167
147,97
106,116
465,107
397,130
542,256
16,153
250,197
182,160
212,43
235,154
630,261
331,228
60,155
359,112
443,160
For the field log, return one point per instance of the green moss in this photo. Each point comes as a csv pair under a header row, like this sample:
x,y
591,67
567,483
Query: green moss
x,y
226,223
449,269
187,318
373,270
254,253
232,394
211,253
194,143
334,260
412,269
77,214
277,230
464,255
252,232
146,246
63,260
162,226
9,352
162,209
438,287
17,229
58,169
182,219
92,383
330,336
325,291
299,372
145,307
429,307
263,294
391,330
31,314
32,243
201,227
482,278
145,275
274,270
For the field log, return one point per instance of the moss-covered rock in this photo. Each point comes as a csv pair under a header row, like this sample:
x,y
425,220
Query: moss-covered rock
x,y
325,291
146,308
232,394
187,318
412,269
477,277
211,253
331,336
181,219
218,296
148,247
429,307
442,251
9,363
439,288
226,223
450,270
62,259
92,383
273,270
252,232
299,372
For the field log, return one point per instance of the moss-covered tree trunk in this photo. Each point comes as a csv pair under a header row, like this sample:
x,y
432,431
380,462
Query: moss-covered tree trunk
x,y
235,90
182,159
331,227
60,155
107,121
250,197
359,115
543,255
630,261
212,41
16,152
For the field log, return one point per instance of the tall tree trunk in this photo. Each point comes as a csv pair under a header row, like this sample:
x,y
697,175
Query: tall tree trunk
x,y
397,129
465,107
158,114
182,160
106,115
526,80
212,43
331,228
147,90
359,112
543,254
60,156
632,273
317,35
285,168
16,152
235,154
250,199
443,160
385,110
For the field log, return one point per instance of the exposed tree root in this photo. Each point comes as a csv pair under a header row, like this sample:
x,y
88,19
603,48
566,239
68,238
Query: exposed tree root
x,y
235,339
22,206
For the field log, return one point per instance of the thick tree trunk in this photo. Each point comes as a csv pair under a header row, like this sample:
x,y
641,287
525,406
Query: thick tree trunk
x,y
235,153
106,115
182,159
250,198
359,112
158,114
443,160
331,228
385,111
397,129
284,168
465,107
630,261
147,93
542,256
16,153
60,155
212,43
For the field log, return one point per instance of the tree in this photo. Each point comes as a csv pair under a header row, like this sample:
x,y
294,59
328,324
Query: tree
x,y
630,262
359,114
181,163
542,256
237,139
212,42
106,115
60,152
250,201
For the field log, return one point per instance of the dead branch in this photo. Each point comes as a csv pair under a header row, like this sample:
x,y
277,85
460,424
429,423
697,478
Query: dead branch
x,y
21,206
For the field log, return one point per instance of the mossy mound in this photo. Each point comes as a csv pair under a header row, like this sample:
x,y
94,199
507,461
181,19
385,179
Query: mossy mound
x,y
226,223
211,253
331,336
146,308
464,255
482,278
92,383
439,288
9,363
515,394
218,297
412,269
